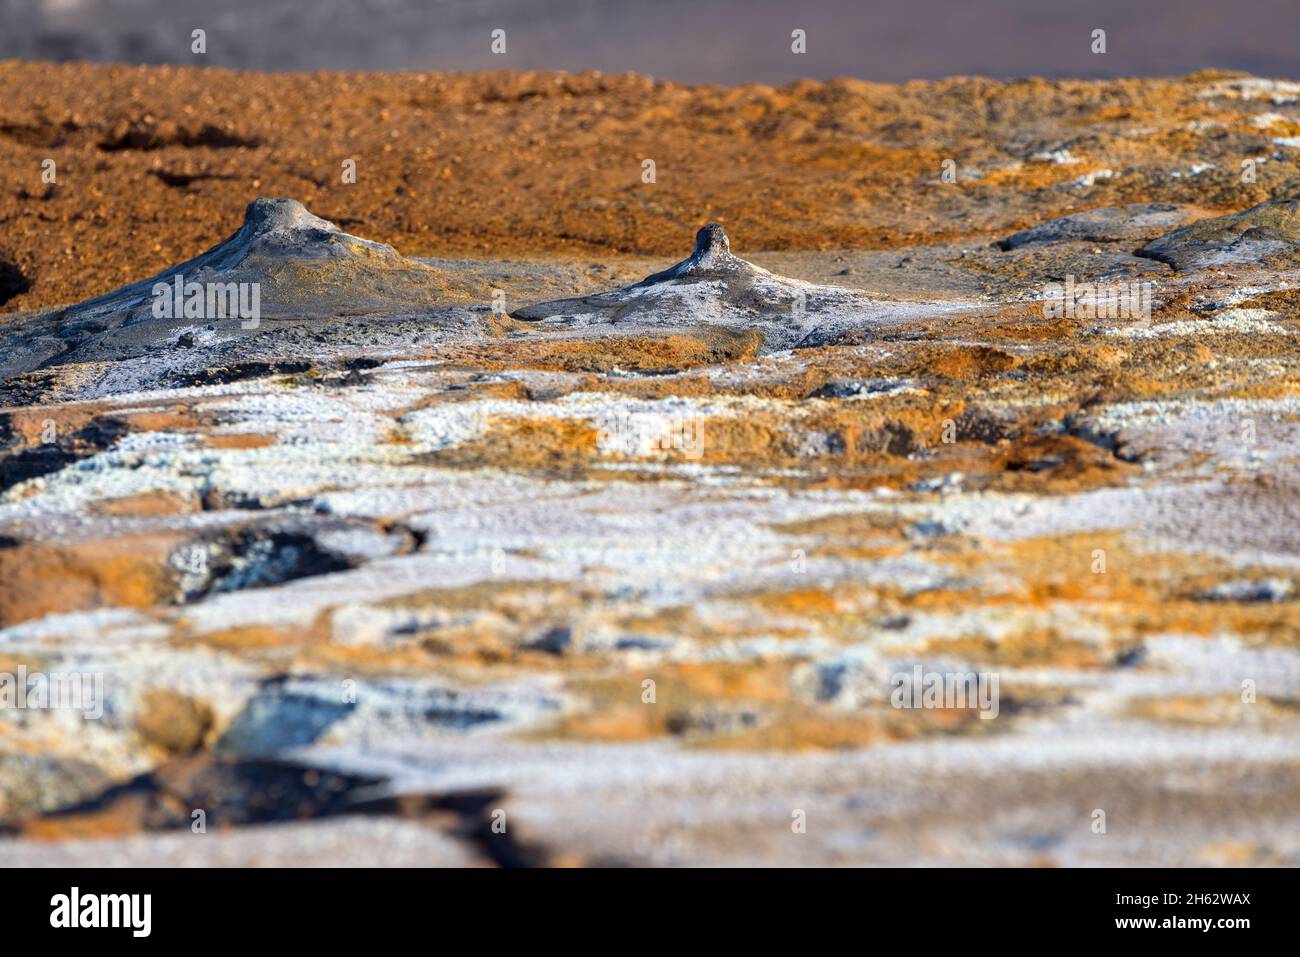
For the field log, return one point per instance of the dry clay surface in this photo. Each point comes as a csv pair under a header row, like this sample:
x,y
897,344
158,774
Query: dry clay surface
x,y
629,555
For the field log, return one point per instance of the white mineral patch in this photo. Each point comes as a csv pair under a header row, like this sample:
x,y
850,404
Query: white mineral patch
x,y
1239,321
1264,120
1278,92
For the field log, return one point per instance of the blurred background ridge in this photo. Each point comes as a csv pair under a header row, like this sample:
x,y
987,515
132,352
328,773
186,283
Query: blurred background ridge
x,y
727,41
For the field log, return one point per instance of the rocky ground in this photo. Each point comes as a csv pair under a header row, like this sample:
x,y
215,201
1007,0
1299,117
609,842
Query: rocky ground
x,y
565,554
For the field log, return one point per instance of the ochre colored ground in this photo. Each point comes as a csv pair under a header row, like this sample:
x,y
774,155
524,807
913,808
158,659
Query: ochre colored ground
x,y
155,164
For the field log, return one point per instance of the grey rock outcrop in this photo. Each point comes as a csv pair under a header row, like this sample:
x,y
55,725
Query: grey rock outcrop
x,y
713,286
1269,232
1107,224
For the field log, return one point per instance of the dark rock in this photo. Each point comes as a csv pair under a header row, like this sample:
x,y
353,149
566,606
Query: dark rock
x,y
555,641
851,388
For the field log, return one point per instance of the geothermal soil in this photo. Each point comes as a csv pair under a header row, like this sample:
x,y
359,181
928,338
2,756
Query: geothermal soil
x,y
481,547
